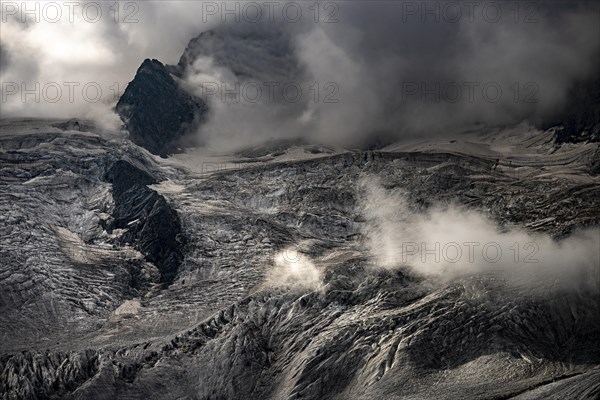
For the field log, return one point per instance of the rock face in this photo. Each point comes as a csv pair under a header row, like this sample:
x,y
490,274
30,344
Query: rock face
x,y
151,225
156,111
581,117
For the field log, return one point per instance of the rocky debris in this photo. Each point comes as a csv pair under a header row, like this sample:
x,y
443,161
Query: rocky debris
x,y
157,111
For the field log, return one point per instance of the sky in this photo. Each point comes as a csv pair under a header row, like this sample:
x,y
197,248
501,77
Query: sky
x,y
366,69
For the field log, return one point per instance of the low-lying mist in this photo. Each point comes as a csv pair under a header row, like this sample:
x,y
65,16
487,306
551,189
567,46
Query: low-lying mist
x,y
293,269
446,242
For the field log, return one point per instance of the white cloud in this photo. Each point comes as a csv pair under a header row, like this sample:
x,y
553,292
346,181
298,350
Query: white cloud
x,y
451,241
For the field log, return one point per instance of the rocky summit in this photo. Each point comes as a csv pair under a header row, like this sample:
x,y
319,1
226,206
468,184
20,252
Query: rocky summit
x,y
156,111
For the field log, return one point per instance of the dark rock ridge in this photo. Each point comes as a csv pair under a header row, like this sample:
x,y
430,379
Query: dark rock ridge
x,y
157,111
580,120
151,224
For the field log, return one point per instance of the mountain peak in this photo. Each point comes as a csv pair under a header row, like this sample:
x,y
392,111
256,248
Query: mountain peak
x,y
156,110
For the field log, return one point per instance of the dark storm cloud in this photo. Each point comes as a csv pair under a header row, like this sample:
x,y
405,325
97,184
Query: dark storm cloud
x,y
4,58
400,69
405,71
533,56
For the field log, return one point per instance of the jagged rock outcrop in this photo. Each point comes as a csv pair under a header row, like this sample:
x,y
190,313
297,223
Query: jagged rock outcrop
x,y
150,224
580,119
157,111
